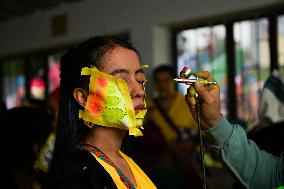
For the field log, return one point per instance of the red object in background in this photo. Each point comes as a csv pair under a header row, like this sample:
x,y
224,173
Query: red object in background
x,y
37,88
54,76
37,82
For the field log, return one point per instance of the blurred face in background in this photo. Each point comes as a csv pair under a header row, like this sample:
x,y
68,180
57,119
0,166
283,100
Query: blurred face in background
x,y
164,84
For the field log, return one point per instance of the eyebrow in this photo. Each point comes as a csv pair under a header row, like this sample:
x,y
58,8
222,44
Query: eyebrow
x,y
118,71
139,71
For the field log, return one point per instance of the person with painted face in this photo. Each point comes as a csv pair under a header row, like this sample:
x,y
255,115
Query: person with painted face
x,y
173,146
101,101
168,107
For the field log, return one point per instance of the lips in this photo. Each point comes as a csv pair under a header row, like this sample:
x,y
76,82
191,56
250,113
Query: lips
x,y
139,108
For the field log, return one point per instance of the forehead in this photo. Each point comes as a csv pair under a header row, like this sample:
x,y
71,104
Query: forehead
x,y
162,76
121,58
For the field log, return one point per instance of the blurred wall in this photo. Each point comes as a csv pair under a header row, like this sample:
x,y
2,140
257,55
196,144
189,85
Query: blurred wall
x,y
146,21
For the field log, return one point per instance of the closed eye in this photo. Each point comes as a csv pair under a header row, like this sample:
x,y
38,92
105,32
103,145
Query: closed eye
x,y
142,81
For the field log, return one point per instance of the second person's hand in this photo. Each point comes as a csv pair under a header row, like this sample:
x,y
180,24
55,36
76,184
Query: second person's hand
x,y
209,99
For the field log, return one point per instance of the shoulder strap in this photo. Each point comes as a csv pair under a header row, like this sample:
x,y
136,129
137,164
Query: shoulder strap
x,y
95,151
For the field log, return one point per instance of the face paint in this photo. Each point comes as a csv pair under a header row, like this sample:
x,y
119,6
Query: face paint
x,y
109,103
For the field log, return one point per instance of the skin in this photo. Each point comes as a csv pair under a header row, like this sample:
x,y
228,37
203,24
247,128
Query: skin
x,y
163,82
123,64
209,96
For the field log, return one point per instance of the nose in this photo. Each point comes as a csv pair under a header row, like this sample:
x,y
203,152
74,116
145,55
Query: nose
x,y
136,90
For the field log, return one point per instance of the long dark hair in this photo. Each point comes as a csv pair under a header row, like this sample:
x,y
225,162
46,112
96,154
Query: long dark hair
x,y
70,129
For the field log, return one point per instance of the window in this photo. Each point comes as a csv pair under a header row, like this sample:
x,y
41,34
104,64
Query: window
x,y
252,65
281,43
34,79
203,49
249,44
14,82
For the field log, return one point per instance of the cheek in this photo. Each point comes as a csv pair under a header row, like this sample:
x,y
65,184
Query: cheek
x,y
135,87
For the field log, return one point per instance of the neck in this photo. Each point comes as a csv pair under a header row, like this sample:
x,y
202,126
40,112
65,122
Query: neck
x,y
107,139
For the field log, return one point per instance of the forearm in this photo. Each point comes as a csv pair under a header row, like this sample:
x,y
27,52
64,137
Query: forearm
x,y
253,167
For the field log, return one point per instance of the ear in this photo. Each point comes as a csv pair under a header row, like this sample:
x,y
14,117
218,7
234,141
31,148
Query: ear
x,y
80,96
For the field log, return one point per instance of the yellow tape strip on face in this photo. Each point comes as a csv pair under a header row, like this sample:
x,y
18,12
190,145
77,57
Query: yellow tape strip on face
x,y
109,103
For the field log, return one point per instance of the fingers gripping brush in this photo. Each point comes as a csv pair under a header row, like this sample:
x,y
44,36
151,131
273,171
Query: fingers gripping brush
x,y
185,75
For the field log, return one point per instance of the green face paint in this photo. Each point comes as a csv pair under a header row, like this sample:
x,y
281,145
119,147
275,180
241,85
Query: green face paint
x,y
109,103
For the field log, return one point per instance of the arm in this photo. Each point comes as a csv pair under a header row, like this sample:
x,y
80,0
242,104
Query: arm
x,y
252,167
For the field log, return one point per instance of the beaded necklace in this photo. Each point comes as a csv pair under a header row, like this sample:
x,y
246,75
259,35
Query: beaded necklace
x,y
95,151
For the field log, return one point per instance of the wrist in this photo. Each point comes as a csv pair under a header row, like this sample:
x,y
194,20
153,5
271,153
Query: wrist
x,y
214,122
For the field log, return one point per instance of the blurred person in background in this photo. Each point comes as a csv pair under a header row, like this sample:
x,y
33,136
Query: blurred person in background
x,y
24,133
269,133
169,141
168,108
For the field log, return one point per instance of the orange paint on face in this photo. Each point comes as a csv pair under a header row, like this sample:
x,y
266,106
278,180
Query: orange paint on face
x,y
95,103
101,81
